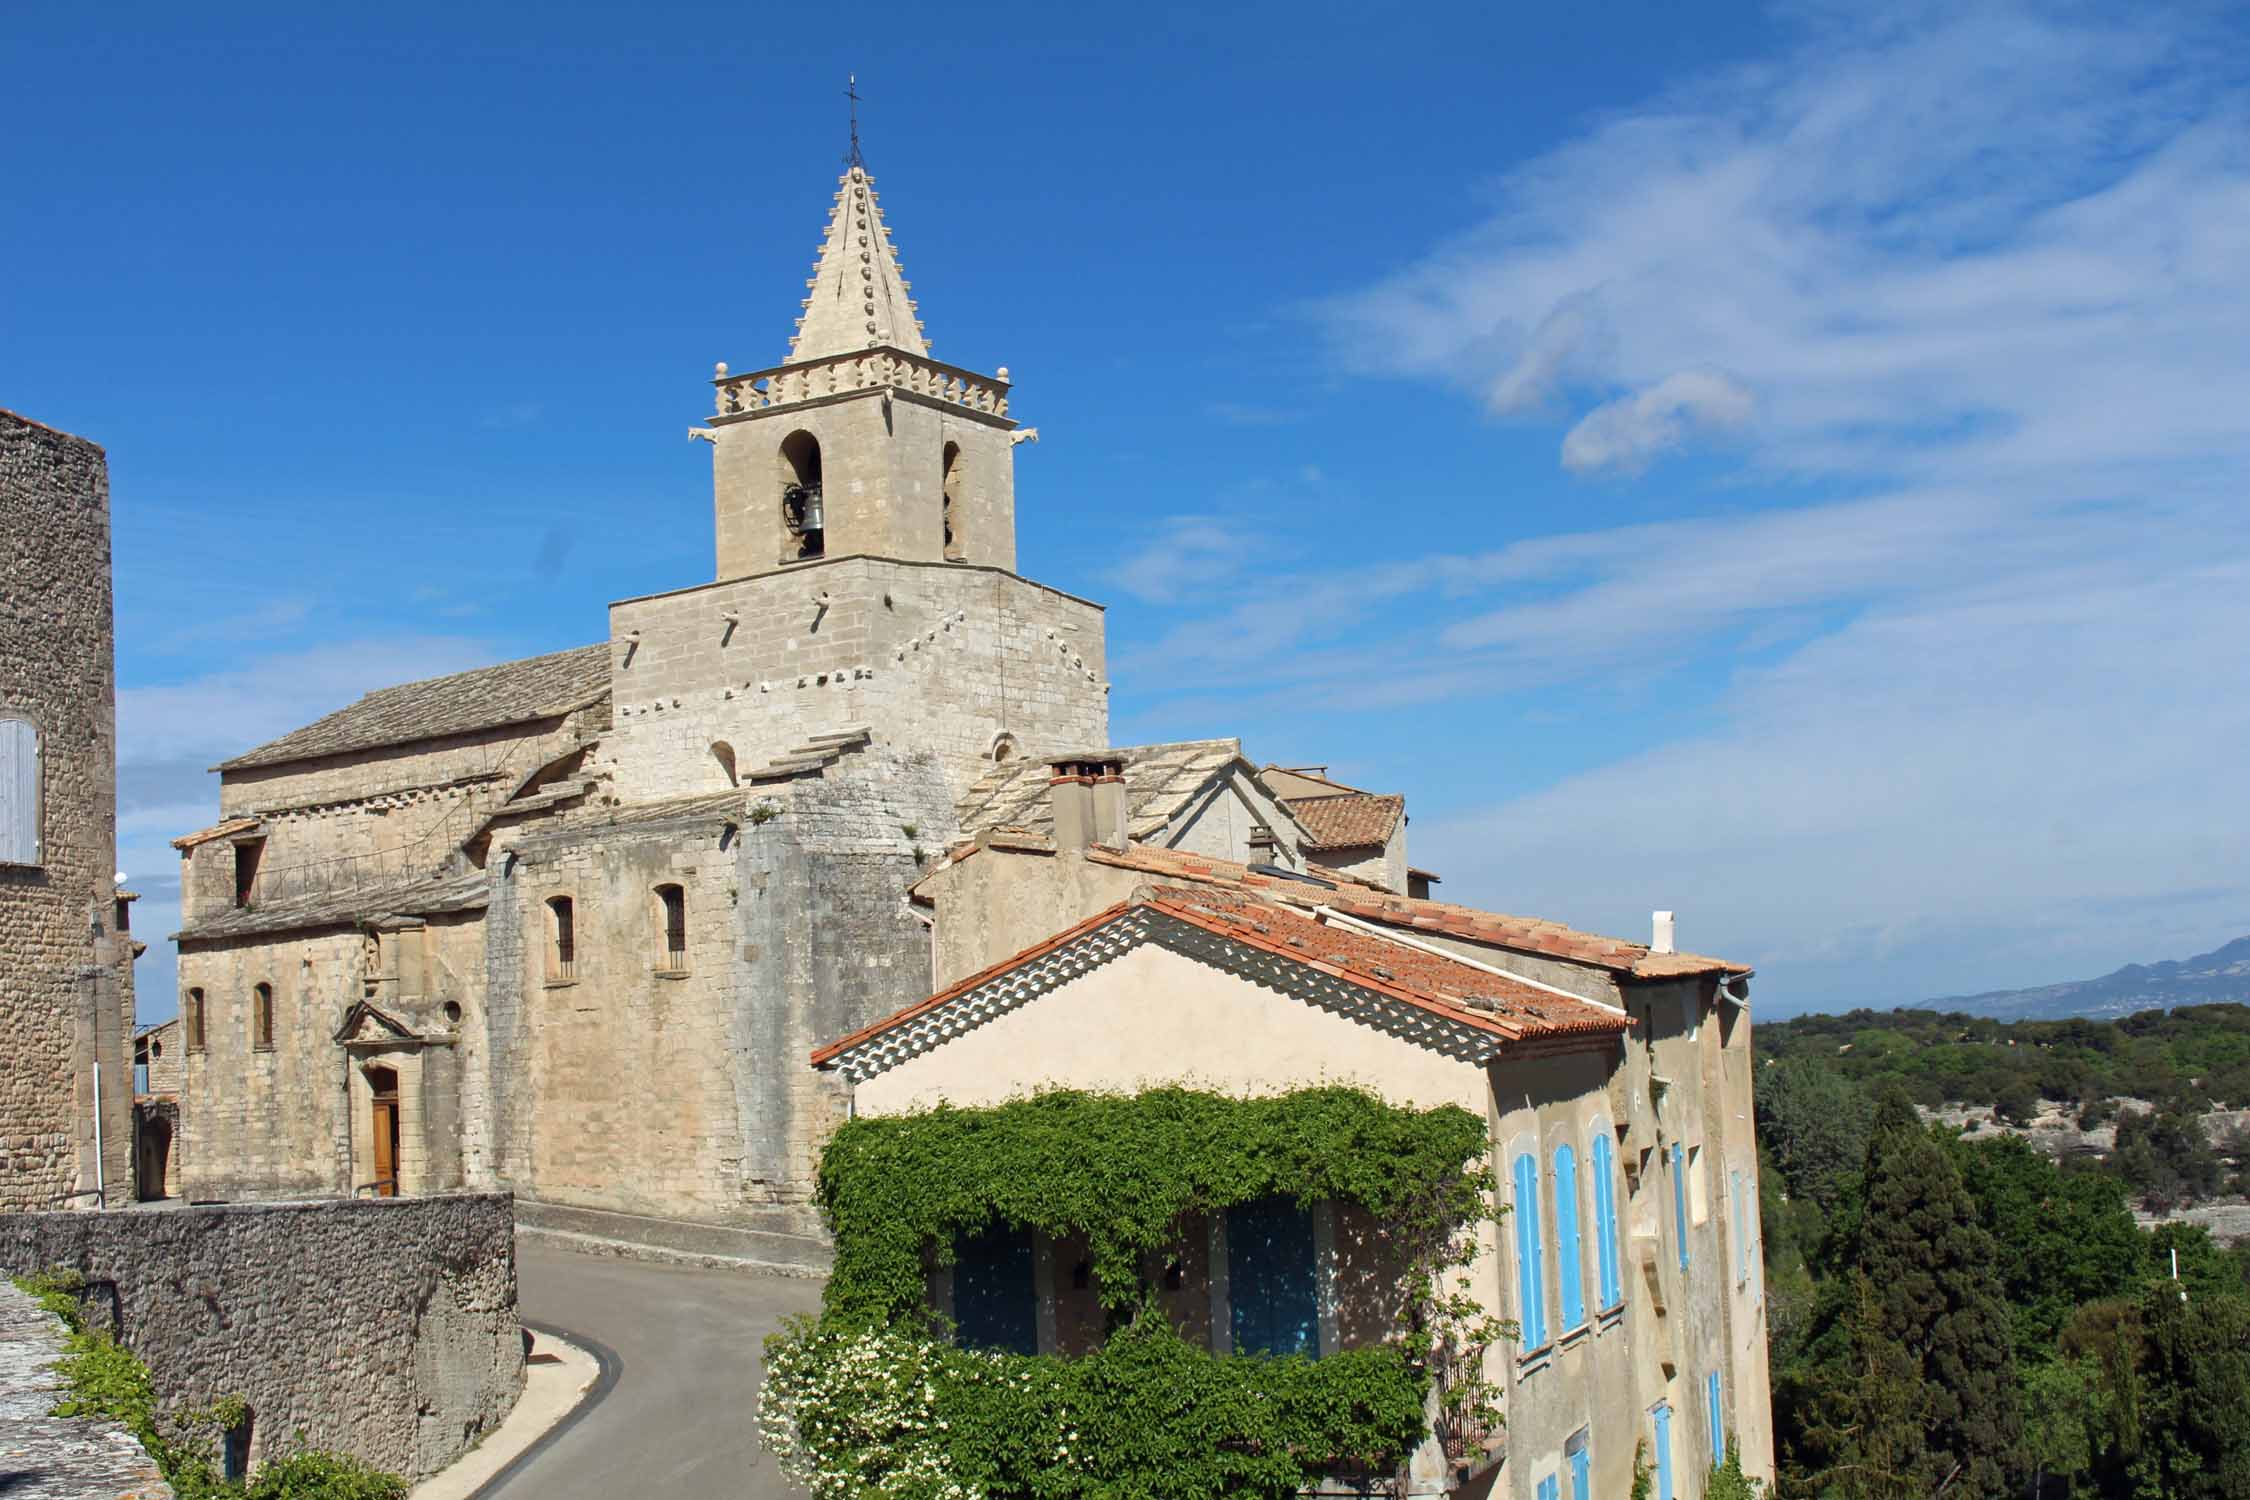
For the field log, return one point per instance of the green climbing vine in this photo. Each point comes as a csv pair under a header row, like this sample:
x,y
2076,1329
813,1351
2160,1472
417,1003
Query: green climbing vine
x,y
873,1398
105,1379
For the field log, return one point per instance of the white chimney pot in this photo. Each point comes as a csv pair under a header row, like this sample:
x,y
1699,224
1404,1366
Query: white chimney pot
x,y
1665,939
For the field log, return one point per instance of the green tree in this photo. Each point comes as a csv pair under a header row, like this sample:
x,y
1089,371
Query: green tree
x,y
1926,1393
2194,1378
2058,1240
1814,1122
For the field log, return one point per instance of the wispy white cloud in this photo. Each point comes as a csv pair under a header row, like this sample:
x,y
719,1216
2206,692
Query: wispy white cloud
x,y
1961,289
1188,555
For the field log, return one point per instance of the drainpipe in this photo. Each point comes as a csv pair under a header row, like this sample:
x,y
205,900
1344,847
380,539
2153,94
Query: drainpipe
x,y
101,1187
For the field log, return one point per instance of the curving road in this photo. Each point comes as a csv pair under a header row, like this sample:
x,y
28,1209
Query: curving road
x,y
681,1419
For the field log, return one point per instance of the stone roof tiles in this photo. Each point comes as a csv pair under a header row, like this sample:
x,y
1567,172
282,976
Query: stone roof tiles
x,y
1347,820
858,294
1160,782
513,692
345,906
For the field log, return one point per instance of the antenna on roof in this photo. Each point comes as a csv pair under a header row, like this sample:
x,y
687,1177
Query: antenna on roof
x,y
852,158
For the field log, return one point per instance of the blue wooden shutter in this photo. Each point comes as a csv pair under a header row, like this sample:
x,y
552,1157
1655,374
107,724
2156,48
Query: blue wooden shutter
x,y
1531,1291
1718,1420
994,1299
1605,1219
19,793
1679,1200
1550,1488
1569,1252
1581,1476
1741,1239
1664,1452
1270,1283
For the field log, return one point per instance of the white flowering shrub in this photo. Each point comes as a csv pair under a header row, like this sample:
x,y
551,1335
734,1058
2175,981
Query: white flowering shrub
x,y
855,1414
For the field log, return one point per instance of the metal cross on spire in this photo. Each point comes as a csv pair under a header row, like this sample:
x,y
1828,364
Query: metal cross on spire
x,y
851,92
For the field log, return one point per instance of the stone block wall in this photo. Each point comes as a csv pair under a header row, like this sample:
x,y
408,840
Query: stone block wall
x,y
65,991
930,656
384,1329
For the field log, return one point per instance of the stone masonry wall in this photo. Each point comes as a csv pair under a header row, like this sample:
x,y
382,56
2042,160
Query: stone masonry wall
x,y
385,1329
63,1000
939,657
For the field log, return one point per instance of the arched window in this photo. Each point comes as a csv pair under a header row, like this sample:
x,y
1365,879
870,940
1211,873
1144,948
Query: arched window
x,y
956,516
723,753
1531,1281
19,792
194,1011
261,1018
1606,1253
562,939
1004,749
801,509
1569,1252
671,903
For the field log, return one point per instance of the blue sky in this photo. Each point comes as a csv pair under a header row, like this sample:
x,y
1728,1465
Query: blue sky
x,y
1782,465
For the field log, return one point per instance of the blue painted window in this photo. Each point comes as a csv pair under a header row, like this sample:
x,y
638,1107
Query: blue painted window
x,y
1718,1419
1679,1200
1741,1218
1605,1218
1581,1476
994,1299
1531,1286
1270,1283
1663,1415
1569,1253
1550,1488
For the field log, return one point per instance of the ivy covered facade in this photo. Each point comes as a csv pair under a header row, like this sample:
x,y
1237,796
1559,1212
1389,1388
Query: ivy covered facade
x,y
1277,1185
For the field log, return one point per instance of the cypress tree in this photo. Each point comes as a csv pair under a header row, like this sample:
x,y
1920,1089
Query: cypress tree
x,y
1924,1396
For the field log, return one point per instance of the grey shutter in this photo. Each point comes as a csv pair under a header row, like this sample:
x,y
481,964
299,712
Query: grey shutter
x,y
19,793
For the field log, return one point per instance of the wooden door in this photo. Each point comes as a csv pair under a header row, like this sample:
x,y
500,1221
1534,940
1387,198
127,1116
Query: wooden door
x,y
385,1131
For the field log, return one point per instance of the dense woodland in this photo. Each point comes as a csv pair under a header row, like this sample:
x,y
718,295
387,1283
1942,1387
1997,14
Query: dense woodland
x,y
1961,1314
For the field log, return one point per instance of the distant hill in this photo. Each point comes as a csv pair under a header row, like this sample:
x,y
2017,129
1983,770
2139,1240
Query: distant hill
x,y
2220,975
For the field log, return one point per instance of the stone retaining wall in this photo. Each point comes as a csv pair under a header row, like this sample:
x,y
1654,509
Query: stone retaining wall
x,y
382,1328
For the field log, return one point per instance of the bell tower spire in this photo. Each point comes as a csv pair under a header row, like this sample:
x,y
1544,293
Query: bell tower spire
x,y
858,443
858,294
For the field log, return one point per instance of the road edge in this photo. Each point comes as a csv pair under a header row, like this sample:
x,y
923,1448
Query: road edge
x,y
608,1367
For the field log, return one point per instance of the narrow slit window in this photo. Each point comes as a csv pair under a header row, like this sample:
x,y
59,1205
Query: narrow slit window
x,y
247,855
562,939
956,518
261,1018
194,1009
672,909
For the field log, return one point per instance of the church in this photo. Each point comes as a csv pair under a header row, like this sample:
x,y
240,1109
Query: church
x,y
628,929
572,924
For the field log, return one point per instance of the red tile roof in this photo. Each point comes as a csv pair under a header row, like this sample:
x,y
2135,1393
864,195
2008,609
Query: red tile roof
x,y
1508,1009
1527,935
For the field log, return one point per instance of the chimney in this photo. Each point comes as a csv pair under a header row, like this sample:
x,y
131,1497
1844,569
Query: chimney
x,y
1666,935
1088,791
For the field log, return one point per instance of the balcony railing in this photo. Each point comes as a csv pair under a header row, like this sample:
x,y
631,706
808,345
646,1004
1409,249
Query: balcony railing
x,y
865,369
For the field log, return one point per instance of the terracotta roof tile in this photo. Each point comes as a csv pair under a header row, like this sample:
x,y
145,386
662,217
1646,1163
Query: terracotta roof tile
x,y
513,692
1508,1009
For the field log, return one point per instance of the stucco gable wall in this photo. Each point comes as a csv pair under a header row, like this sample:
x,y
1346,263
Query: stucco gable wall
x,y
1156,1017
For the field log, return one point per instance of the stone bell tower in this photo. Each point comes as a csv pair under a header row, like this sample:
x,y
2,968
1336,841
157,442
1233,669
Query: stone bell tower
x,y
859,444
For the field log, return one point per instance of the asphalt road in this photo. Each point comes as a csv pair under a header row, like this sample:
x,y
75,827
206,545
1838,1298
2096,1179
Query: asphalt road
x,y
682,1418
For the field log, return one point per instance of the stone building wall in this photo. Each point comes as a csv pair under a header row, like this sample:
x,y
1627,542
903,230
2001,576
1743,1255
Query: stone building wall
x,y
383,1329
65,991
943,657
292,1118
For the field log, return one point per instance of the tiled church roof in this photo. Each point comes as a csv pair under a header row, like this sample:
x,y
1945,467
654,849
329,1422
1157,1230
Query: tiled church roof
x,y
1348,820
514,692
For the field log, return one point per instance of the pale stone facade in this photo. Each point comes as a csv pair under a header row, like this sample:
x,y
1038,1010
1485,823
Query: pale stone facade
x,y
66,990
